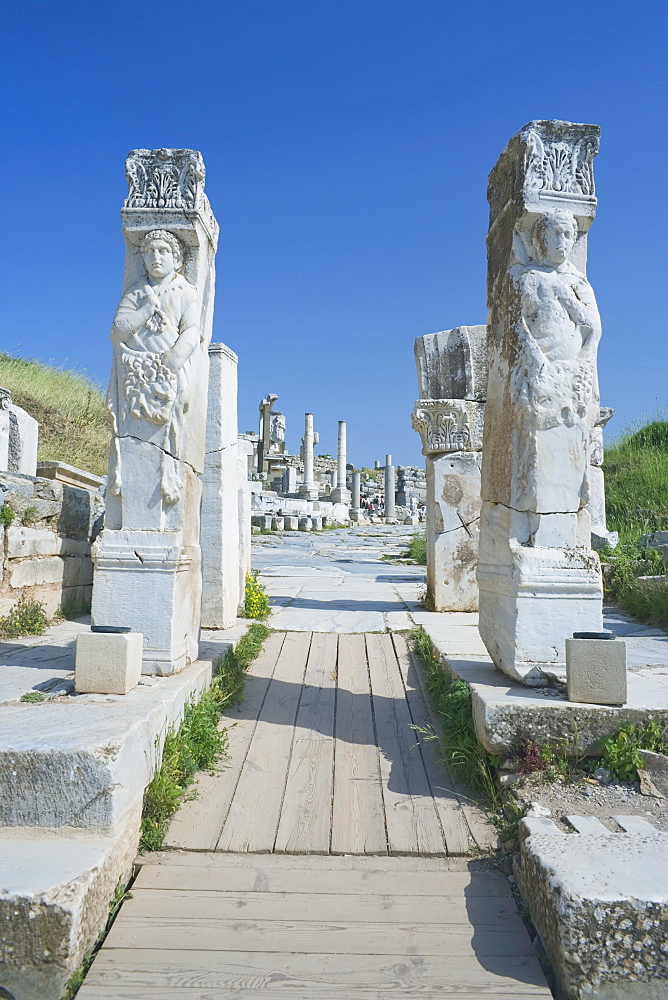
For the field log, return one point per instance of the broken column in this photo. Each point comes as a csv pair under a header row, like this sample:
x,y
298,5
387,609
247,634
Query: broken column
x,y
148,557
19,435
390,512
341,493
356,490
220,530
264,442
309,488
600,536
452,382
539,580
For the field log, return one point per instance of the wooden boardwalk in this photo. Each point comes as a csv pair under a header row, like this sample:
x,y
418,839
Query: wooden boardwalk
x,y
325,759
239,927
284,877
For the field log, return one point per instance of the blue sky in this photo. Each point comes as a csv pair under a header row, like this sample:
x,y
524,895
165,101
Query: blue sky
x,y
347,147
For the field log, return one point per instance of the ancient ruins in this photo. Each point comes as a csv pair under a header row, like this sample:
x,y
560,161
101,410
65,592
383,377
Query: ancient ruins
x,y
330,844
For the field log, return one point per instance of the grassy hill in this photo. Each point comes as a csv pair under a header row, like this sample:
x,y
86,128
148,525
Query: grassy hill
x,y
636,494
75,425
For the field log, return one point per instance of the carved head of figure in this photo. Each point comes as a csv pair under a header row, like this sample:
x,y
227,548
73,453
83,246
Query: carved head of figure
x,y
553,237
162,253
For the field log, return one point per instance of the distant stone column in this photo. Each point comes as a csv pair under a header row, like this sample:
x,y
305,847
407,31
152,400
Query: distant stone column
x,y
357,479
341,494
539,580
390,513
452,383
309,488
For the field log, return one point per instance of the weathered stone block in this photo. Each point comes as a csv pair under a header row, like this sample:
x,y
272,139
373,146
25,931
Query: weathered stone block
x,y
26,542
596,671
108,663
36,572
278,523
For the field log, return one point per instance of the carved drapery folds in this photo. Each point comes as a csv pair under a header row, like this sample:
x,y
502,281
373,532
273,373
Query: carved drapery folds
x,y
164,178
448,425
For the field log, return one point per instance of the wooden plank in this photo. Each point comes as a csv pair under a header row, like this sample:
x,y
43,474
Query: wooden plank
x,y
410,814
323,977
481,829
305,823
166,932
198,823
358,817
263,876
203,905
252,820
449,810
305,862
162,993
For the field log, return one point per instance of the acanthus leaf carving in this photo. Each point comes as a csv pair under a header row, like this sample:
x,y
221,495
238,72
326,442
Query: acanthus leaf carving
x,y
444,426
164,178
559,168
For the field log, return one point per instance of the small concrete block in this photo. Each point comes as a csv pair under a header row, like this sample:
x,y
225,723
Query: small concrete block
x,y
596,671
277,523
108,663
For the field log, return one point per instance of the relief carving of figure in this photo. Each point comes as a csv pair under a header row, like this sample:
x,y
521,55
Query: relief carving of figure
x,y
154,334
555,386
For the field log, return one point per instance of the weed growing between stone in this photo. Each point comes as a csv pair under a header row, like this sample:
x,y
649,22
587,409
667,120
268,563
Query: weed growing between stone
x,y
27,617
76,980
199,743
461,752
7,515
256,601
29,516
417,548
33,697
621,752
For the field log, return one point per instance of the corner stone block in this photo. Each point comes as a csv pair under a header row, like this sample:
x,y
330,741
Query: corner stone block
x,y
596,671
108,663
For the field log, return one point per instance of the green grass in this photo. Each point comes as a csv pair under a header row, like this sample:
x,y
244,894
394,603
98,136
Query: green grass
x,y
636,493
32,697
76,980
461,751
75,425
199,743
417,548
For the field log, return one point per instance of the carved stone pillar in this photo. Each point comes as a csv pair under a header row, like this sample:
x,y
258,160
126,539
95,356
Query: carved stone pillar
x,y
341,493
539,580
309,488
148,558
452,381
390,487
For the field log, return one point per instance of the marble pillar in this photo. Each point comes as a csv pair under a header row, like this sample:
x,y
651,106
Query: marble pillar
x,y
220,526
309,488
244,513
539,580
355,501
452,384
264,442
390,487
147,559
341,494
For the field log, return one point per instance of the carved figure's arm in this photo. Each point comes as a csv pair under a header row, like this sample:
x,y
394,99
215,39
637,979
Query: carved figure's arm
x,y
533,294
188,338
131,316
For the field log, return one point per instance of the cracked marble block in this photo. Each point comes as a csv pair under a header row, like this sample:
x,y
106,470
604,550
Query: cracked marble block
x,y
452,382
539,580
147,560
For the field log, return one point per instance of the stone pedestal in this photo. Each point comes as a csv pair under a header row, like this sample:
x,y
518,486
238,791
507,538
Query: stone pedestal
x,y
390,488
220,525
309,488
107,663
539,580
290,480
148,558
452,364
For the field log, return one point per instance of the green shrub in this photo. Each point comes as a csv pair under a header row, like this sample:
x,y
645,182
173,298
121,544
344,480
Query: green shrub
x,y
29,516
7,515
33,697
461,752
621,752
27,617
417,548
256,601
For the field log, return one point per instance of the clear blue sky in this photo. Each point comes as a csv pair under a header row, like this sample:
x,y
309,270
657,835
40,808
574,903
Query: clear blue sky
x,y
347,147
